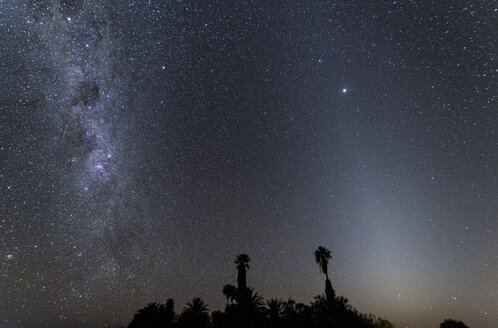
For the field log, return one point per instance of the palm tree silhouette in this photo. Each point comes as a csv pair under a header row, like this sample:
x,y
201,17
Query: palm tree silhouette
x,y
242,262
249,309
195,314
322,257
197,307
255,302
275,311
229,292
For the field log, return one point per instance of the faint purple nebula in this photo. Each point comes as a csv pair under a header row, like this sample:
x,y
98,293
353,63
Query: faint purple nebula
x,y
100,167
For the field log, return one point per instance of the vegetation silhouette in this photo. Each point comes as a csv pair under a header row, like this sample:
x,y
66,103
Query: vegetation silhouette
x,y
242,262
322,257
195,314
274,312
448,323
246,308
229,291
154,315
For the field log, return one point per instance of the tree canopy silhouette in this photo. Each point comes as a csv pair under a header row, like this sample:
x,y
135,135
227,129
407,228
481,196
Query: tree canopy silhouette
x,y
229,292
322,257
154,315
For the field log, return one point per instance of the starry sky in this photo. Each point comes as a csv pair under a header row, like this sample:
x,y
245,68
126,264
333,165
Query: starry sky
x,y
144,144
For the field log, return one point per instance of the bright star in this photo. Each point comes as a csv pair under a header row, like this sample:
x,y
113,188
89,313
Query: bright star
x,y
344,90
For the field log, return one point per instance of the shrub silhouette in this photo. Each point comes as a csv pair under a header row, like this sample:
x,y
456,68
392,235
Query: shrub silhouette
x,y
449,323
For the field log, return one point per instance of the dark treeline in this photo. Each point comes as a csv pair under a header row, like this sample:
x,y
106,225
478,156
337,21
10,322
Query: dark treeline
x,y
246,308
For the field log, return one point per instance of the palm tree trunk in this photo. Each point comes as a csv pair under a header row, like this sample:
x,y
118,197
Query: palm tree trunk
x,y
329,291
241,279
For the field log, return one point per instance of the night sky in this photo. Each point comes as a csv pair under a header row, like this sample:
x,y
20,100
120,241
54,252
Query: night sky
x,y
144,144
